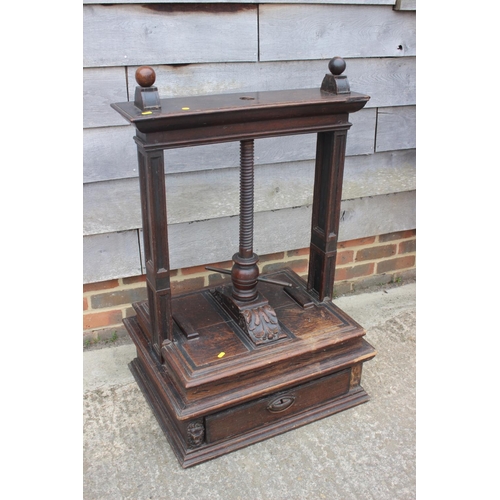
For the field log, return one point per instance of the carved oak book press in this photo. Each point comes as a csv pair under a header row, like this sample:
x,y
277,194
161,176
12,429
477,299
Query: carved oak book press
x,y
226,367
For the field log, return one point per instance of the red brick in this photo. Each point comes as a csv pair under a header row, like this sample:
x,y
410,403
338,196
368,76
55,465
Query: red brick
x,y
396,264
344,257
85,303
301,252
217,279
119,297
408,246
193,270
400,235
100,319
372,253
276,266
187,285
349,273
356,243
228,264
132,280
299,266
102,285
272,256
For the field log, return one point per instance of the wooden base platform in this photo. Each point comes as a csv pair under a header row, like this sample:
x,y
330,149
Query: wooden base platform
x,y
216,391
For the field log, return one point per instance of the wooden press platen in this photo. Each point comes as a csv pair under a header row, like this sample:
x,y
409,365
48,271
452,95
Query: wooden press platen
x,y
228,366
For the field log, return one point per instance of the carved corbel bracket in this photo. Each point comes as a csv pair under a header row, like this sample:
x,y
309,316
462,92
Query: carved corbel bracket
x,y
256,318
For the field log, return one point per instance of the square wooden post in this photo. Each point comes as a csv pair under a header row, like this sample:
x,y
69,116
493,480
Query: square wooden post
x,y
154,223
328,177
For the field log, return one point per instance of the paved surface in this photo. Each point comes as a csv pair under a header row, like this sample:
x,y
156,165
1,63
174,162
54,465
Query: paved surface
x,y
367,452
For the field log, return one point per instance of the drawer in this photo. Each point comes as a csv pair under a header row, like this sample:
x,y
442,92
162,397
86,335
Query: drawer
x,y
273,408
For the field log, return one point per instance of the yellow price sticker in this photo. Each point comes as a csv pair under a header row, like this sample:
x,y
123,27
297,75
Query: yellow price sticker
x,y
147,113
221,354
185,109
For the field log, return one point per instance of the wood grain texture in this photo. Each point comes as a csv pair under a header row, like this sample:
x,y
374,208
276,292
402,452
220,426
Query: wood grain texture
x,y
123,35
111,255
313,31
388,81
340,2
101,87
219,237
405,5
396,128
115,205
110,152
114,255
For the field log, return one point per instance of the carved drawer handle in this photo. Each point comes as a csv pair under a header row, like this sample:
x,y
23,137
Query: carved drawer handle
x,y
281,403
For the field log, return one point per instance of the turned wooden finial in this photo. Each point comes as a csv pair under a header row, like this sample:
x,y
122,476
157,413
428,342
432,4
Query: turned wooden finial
x,y
336,83
146,94
145,76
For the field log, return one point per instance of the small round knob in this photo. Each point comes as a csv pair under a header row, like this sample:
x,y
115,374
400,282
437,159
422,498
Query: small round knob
x,y
145,76
336,66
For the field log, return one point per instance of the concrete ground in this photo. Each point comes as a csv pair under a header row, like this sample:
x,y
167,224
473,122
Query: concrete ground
x,y
367,452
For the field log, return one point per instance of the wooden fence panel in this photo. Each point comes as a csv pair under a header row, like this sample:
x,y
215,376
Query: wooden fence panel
x,y
288,229
388,81
312,31
396,128
124,35
110,153
340,2
112,255
108,256
405,5
101,87
115,205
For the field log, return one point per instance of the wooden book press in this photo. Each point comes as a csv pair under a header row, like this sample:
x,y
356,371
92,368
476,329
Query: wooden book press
x,y
226,367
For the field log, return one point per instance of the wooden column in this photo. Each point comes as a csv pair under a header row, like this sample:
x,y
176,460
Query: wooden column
x,y
330,156
154,223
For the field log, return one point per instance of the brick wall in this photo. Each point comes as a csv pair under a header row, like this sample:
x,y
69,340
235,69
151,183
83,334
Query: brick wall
x,y
362,263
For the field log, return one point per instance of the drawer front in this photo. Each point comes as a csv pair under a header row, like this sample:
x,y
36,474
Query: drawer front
x,y
281,405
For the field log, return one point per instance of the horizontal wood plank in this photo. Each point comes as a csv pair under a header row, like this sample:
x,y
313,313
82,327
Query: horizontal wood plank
x,y
110,152
101,87
340,2
288,229
388,81
405,5
115,205
109,256
396,128
289,32
123,35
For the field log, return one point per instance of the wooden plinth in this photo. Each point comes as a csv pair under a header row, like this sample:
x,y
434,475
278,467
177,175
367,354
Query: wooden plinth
x,y
216,391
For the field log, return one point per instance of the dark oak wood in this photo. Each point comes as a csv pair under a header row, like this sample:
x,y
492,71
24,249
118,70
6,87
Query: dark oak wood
x,y
154,223
330,156
226,367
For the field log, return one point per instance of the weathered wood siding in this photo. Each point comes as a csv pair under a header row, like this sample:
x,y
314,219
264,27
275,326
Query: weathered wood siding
x,y
236,46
